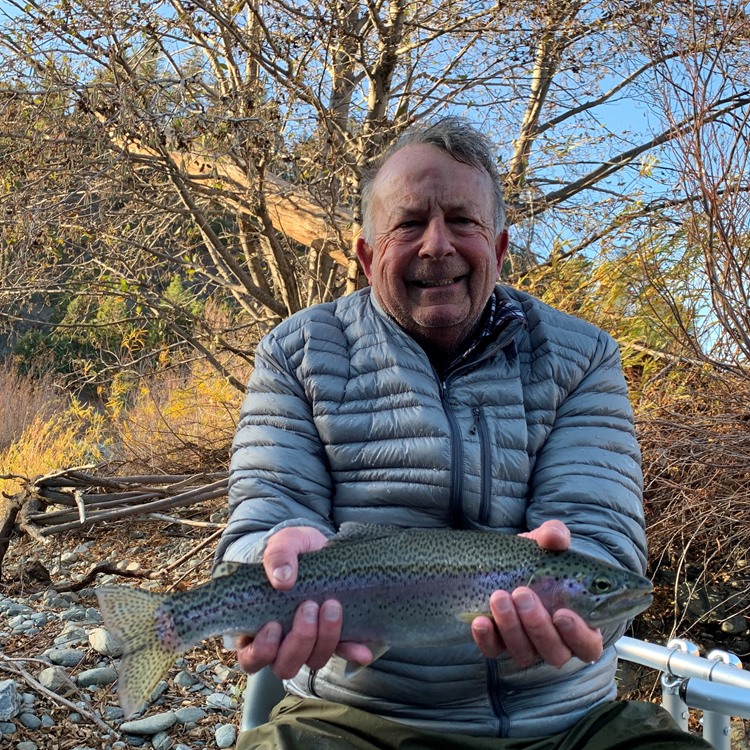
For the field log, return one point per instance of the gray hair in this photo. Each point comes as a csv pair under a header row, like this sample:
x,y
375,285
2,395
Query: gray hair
x,y
456,137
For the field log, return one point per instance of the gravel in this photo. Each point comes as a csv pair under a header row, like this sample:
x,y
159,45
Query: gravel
x,y
59,685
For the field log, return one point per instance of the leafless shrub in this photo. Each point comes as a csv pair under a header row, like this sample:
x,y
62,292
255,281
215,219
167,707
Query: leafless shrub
x,y
696,446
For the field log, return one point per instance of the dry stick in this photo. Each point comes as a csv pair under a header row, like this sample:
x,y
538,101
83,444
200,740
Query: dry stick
x,y
68,515
90,577
217,489
78,496
11,666
87,480
174,585
187,521
198,547
100,501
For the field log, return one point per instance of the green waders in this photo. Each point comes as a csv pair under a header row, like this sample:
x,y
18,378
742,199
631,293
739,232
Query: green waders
x,y
310,724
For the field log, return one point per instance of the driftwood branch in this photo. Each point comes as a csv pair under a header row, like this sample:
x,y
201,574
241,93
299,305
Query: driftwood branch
x,y
209,492
107,568
13,666
77,499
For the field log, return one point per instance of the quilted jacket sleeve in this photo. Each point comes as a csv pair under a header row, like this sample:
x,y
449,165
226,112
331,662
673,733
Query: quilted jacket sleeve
x,y
278,471
588,472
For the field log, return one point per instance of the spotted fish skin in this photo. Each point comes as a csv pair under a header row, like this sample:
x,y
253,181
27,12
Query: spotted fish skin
x,y
406,588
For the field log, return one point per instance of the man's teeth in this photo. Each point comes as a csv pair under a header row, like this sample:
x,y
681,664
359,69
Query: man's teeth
x,y
443,282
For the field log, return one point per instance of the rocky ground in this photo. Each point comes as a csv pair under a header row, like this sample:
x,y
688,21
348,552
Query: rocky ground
x,y
58,665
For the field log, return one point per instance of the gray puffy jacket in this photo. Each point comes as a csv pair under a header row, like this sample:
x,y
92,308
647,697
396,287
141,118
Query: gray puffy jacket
x,y
345,419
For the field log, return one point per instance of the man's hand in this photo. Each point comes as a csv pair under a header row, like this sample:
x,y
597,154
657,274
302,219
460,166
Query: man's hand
x,y
316,630
522,626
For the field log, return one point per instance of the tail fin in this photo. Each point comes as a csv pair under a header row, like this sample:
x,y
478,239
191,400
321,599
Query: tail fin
x,y
131,616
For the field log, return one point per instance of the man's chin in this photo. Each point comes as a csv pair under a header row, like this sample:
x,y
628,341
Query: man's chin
x,y
442,329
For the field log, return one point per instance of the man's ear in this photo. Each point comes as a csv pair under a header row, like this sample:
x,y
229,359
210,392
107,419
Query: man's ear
x,y
364,253
501,248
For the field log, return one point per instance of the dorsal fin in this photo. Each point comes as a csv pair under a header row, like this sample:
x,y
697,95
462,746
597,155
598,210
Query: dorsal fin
x,y
226,569
352,531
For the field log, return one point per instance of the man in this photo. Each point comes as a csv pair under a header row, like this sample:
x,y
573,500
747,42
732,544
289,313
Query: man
x,y
434,398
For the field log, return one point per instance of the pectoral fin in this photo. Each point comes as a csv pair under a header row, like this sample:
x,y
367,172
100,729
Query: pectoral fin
x,y
469,617
348,669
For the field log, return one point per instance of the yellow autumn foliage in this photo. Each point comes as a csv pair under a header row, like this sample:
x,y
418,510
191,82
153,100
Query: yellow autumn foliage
x,y
179,423
71,436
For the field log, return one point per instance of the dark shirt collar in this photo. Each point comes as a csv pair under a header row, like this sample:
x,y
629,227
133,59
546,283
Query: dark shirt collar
x,y
498,313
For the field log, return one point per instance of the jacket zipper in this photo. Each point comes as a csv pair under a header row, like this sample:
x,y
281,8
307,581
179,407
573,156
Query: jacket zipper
x,y
493,690
457,475
485,467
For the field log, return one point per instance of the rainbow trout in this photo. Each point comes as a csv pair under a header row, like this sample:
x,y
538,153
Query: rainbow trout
x,y
406,588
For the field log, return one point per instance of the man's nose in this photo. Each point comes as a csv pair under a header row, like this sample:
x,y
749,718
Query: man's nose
x,y
436,241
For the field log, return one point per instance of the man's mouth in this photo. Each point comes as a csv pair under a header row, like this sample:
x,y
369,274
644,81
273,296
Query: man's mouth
x,y
422,284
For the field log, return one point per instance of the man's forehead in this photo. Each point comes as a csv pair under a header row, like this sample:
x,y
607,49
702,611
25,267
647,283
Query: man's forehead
x,y
445,200
424,165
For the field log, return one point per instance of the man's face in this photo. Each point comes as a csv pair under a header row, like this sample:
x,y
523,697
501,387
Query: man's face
x,y
434,258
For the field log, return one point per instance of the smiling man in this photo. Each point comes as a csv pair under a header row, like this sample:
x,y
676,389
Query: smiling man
x,y
432,248
438,397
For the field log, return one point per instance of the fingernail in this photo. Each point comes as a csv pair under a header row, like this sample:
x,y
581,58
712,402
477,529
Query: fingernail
x,y
331,611
310,612
283,573
503,604
524,601
564,624
480,628
273,633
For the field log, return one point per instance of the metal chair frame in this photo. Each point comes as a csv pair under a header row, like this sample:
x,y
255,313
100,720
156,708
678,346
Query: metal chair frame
x,y
715,684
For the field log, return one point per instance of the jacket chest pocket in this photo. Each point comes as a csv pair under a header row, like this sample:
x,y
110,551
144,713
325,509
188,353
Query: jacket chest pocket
x,y
497,468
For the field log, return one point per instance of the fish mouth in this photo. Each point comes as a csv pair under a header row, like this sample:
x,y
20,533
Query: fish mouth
x,y
615,609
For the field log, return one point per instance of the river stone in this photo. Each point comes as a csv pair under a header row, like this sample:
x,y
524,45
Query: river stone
x,y
223,673
113,713
103,642
66,657
224,735
97,676
735,625
184,679
29,720
10,703
55,679
161,741
221,701
190,715
70,635
150,724
12,608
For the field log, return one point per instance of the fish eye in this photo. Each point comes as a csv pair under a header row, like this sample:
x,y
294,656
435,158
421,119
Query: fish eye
x,y
602,584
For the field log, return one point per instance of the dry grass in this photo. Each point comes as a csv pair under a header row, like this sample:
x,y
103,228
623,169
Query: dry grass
x,y
695,437
179,423
71,436
173,423
24,400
